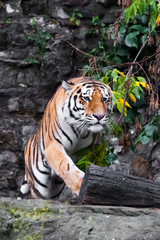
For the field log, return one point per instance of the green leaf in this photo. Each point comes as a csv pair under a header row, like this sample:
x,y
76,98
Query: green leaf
x,y
79,15
84,163
72,19
33,21
143,139
143,39
115,128
133,80
153,19
122,82
142,7
105,79
122,51
82,152
121,33
149,129
117,60
139,28
131,12
134,10
155,135
136,92
115,98
120,106
110,158
114,75
131,116
146,31
141,79
77,22
144,19
131,39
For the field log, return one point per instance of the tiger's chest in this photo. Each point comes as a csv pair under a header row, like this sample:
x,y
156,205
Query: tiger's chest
x,y
83,142
76,142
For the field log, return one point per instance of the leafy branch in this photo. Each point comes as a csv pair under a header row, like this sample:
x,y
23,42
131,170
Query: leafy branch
x,y
128,80
135,30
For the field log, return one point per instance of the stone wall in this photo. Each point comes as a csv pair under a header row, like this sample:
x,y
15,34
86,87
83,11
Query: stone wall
x,y
28,79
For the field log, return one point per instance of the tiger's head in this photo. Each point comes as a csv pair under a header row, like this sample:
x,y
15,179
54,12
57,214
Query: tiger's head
x,y
89,104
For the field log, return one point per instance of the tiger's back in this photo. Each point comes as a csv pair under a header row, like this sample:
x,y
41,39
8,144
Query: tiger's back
x,y
79,107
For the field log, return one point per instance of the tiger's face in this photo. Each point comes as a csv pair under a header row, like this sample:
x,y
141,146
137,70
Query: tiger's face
x,y
89,104
97,104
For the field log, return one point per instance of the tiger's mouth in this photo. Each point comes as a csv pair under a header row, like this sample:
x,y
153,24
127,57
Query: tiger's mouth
x,y
103,121
96,127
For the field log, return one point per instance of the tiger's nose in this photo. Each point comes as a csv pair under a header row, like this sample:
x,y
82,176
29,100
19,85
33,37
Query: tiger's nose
x,y
98,116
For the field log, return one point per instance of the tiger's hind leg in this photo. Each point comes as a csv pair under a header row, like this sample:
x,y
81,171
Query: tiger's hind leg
x,y
52,189
43,182
57,185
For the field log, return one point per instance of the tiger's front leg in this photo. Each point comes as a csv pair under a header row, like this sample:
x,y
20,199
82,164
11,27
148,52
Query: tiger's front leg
x,y
63,165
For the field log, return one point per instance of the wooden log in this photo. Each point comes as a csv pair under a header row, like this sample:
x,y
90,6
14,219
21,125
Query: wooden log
x,y
103,186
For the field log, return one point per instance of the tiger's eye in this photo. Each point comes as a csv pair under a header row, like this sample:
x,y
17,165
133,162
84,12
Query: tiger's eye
x,y
105,100
87,99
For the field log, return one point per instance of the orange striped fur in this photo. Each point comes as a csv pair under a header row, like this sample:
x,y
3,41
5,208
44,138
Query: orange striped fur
x,y
79,108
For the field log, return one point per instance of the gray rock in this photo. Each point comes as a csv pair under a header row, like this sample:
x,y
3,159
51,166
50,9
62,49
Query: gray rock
x,y
39,219
11,9
8,159
13,104
111,15
8,170
27,132
28,105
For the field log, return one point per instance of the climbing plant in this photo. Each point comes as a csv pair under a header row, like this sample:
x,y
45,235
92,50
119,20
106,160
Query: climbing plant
x,y
131,68
39,38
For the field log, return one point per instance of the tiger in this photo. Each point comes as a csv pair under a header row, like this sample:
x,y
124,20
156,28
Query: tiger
x,y
79,108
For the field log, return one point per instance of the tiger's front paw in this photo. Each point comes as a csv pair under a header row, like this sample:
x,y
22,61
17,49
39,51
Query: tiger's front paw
x,y
78,178
73,179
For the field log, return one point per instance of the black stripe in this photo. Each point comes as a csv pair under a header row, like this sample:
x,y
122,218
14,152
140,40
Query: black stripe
x,y
37,192
34,153
79,91
69,104
42,154
24,182
45,123
56,131
31,173
86,135
76,109
45,164
74,131
93,83
70,112
37,161
68,81
49,135
64,133
75,105
42,137
56,138
29,154
72,115
49,117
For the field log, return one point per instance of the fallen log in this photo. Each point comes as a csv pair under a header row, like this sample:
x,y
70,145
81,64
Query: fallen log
x,y
103,186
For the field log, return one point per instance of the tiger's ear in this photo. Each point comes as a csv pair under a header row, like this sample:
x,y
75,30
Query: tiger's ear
x,y
67,85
